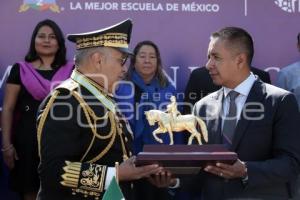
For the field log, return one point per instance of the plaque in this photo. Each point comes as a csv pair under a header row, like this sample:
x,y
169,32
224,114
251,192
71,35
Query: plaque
x,y
185,159
181,159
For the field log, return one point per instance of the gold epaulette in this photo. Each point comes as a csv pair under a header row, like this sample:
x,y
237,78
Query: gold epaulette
x,y
84,178
68,84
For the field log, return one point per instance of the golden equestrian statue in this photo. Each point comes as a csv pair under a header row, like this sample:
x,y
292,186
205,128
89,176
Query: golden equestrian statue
x,y
172,120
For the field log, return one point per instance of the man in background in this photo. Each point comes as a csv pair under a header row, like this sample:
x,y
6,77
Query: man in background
x,y
289,77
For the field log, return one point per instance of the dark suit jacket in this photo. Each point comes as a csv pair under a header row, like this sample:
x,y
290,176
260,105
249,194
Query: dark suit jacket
x,y
200,84
269,145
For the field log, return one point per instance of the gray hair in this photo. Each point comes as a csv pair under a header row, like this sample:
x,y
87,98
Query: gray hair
x,y
82,54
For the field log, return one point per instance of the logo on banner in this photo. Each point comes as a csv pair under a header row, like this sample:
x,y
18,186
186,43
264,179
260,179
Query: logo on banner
x,y
40,5
291,6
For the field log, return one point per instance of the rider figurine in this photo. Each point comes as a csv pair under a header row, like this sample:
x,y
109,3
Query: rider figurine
x,y
172,109
166,123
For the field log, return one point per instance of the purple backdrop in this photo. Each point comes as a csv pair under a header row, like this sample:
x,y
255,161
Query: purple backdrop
x,y
181,28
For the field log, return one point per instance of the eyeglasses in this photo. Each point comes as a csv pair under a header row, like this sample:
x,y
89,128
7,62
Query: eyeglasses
x,y
123,60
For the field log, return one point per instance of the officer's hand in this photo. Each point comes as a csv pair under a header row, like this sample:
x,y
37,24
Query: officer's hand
x,y
237,170
162,179
128,171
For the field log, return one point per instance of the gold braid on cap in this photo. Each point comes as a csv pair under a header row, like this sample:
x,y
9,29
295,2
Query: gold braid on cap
x,y
107,40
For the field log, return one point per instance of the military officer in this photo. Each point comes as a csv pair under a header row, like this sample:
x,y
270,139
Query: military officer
x,y
82,136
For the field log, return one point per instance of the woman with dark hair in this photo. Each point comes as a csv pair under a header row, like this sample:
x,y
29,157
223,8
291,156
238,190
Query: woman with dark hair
x,y
148,88
144,69
29,82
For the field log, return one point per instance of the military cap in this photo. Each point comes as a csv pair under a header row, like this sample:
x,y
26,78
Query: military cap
x,y
117,36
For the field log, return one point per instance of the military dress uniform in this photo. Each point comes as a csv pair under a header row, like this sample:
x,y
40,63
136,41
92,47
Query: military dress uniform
x,y
80,134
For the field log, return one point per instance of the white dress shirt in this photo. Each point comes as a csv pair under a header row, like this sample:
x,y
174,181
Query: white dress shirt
x,y
243,89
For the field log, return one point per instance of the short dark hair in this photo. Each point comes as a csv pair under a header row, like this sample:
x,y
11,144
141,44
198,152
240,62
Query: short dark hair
x,y
237,37
60,56
162,79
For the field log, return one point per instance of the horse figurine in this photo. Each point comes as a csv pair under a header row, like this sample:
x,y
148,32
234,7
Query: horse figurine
x,y
182,122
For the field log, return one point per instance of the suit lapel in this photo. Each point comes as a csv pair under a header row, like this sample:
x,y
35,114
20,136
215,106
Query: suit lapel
x,y
256,95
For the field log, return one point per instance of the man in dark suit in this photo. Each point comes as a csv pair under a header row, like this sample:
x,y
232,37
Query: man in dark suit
x,y
200,84
262,127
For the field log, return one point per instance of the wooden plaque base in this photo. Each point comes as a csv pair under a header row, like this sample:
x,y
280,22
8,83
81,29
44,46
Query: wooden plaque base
x,y
185,159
